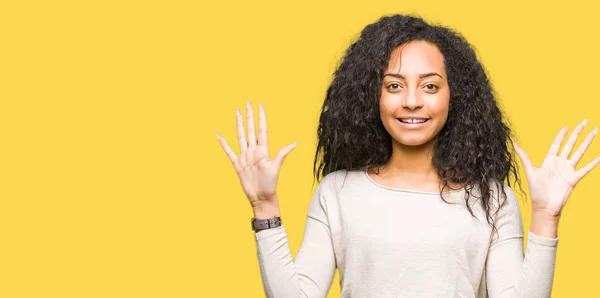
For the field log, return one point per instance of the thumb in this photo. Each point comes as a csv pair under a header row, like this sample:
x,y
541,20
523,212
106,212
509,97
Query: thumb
x,y
525,160
280,157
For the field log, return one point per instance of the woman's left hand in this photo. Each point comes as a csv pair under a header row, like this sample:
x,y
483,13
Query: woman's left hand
x,y
551,184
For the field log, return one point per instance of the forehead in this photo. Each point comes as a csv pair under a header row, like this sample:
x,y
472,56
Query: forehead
x,y
416,57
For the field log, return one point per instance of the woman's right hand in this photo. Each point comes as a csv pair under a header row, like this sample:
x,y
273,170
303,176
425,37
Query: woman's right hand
x,y
257,172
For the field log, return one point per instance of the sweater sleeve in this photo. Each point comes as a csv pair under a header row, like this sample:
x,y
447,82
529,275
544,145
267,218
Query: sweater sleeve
x,y
509,272
311,273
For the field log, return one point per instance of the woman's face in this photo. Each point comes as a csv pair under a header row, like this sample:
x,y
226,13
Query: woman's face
x,y
415,86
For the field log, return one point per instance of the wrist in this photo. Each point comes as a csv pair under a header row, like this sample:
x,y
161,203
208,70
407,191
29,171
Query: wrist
x,y
266,210
544,224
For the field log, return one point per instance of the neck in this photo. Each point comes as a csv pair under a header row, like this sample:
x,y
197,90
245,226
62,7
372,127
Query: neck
x,y
413,164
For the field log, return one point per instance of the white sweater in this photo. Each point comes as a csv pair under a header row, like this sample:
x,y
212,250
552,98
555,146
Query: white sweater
x,y
389,242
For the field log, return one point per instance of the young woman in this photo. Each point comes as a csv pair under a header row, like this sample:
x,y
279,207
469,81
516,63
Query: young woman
x,y
412,156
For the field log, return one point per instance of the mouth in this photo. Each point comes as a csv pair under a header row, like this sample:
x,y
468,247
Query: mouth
x,y
412,121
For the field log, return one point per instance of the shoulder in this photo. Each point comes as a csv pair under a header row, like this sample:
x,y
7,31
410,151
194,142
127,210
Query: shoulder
x,y
503,199
331,190
341,180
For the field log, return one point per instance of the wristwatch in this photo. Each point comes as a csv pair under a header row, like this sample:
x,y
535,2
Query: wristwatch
x,y
263,224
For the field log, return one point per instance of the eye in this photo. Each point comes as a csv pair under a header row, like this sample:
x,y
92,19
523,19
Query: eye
x,y
394,86
431,87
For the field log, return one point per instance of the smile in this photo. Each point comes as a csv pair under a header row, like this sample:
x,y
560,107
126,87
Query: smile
x,y
412,120
407,123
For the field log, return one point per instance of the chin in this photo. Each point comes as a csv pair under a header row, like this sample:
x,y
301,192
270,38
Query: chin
x,y
413,142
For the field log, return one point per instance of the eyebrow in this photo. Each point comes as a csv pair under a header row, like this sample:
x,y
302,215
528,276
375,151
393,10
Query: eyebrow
x,y
425,75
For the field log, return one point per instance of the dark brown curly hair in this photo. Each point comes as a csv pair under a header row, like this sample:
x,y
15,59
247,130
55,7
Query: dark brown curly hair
x,y
471,149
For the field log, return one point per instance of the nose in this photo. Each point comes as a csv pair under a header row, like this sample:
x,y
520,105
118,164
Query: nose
x,y
411,101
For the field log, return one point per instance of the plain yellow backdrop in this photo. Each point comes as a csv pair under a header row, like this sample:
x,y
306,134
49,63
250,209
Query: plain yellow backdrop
x,y
113,183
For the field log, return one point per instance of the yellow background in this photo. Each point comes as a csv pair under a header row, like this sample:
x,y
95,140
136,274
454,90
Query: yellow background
x,y
113,183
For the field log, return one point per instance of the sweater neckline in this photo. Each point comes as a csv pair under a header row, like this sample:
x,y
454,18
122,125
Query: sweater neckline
x,y
366,174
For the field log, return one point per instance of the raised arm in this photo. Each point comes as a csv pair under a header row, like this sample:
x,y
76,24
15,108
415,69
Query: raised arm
x,y
310,274
510,273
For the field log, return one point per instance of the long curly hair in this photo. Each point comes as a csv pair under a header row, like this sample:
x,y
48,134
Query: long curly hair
x,y
470,150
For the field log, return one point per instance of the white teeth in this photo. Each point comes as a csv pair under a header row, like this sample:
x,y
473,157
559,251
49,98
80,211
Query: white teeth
x,y
413,120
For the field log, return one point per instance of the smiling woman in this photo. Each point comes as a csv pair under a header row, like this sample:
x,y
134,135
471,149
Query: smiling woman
x,y
415,95
413,152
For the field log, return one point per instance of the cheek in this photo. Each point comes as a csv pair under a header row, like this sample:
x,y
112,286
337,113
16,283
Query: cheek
x,y
441,110
386,104
441,106
383,107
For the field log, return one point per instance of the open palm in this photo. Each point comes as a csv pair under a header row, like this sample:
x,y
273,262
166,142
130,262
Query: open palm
x,y
257,172
551,184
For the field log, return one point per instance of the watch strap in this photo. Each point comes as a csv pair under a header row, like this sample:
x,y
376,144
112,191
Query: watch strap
x,y
267,223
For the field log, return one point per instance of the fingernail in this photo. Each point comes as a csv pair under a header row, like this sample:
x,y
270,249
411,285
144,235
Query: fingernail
x,y
595,130
261,105
239,112
218,136
584,122
248,104
295,143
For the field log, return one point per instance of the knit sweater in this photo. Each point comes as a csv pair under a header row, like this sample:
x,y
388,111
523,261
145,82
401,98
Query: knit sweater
x,y
389,242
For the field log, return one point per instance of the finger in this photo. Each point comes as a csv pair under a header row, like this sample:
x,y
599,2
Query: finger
x,y
280,157
583,171
566,151
250,120
583,147
240,132
262,126
558,141
525,160
227,149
